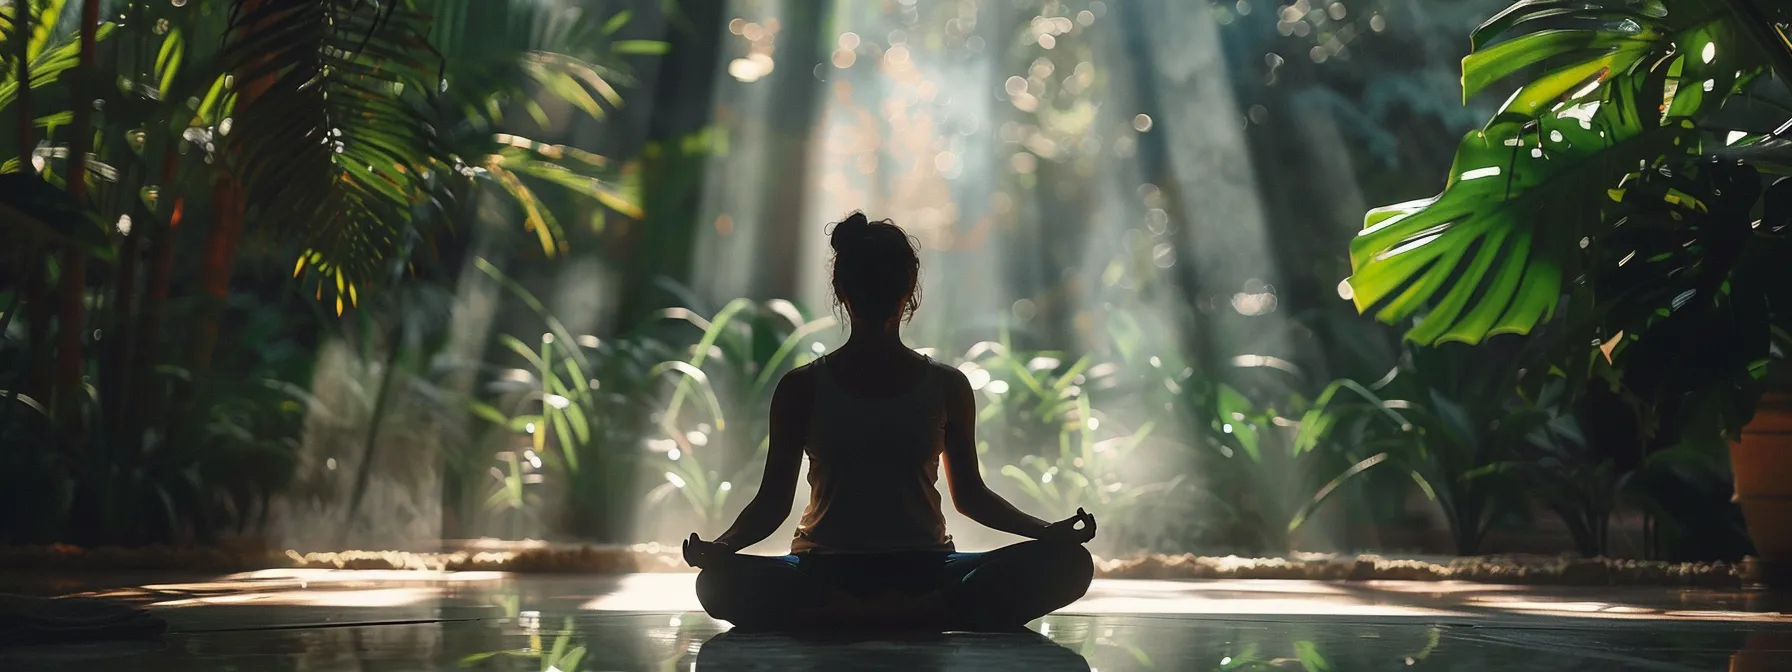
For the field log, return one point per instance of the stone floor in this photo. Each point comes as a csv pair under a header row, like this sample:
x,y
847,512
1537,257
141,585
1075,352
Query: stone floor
x,y
397,620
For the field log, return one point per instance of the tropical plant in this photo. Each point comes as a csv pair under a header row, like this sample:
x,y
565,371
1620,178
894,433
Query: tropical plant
x,y
1056,441
1456,425
502,60
1084,471
730,373
581,408
566,653
314,131
1608,179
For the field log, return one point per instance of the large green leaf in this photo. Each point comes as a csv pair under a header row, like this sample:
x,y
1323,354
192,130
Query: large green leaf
x,y
1491,253
1617,86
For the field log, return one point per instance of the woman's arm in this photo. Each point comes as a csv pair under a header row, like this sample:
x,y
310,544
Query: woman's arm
x,y
784,458
970,494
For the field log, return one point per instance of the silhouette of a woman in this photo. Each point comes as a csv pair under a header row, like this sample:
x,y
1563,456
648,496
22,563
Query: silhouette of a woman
x,y
874,418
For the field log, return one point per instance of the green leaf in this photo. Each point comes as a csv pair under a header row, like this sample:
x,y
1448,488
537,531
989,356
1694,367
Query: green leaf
x,y
616,197
1332,486
54,120
1310,660
43,26
617,22
790,344
563,433
641,47
695,377
570,90
168,61
555,326
700,353
1483,67
1526,12
1489,255
489,413
517,346
1026,482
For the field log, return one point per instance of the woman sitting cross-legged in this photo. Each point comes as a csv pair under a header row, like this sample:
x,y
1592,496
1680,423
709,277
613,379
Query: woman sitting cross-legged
x,y
875,419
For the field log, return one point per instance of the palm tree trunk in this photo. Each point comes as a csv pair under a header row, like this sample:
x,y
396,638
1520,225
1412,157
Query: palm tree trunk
x,y
21,58
37,305
39,311
71,311
228,208
214,271
150,327
155,302
83,126
120,367
70,360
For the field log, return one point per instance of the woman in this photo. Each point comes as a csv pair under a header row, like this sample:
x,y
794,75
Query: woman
x,y
874,419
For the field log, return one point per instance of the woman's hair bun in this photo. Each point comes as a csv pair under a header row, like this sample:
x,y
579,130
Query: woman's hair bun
x,y
851,232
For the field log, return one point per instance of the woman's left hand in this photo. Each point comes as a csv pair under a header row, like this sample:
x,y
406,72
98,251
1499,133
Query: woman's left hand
x,y
699,553
1066,530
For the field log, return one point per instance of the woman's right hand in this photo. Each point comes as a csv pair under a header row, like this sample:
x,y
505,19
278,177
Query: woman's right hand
x,y
1067,531
700,554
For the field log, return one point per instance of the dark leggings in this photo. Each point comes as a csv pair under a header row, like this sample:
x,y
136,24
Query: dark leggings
x,y
998,590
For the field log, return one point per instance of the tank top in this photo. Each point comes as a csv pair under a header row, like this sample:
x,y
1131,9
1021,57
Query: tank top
x,y
873,470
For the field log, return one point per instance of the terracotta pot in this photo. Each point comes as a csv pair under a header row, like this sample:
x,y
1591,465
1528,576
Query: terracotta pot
x,y
1762,464
1762,652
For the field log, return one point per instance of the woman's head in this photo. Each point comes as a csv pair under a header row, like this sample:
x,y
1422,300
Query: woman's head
x,y
877,271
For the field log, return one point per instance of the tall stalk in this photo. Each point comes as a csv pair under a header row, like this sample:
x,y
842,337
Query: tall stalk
x,y
71,312
155,298
221,242
37,380
21,59
228,209
120,366
155,312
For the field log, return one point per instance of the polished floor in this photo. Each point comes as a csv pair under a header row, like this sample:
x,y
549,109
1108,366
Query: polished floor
x,y
346,620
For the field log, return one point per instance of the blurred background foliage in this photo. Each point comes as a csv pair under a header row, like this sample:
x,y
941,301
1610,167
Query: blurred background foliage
x,y
327,274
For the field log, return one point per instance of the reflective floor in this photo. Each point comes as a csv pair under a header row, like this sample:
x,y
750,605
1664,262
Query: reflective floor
x,y
312,620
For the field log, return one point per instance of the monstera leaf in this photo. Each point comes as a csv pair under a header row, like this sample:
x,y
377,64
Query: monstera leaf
x,y
1703,44
1620,85
1490,254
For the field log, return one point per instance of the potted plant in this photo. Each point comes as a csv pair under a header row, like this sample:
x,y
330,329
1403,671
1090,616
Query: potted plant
x,y
1620,196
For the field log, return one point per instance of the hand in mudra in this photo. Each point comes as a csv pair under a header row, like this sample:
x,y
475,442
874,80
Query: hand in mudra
x,y
699,553
1066,530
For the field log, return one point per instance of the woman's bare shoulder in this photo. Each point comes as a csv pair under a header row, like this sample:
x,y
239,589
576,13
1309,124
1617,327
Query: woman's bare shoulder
x,y
801,377
953,376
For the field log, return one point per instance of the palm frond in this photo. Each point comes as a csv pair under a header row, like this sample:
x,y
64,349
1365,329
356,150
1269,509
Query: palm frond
x,y
331,141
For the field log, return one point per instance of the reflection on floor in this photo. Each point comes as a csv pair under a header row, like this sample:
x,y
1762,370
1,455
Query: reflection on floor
x,y
305,620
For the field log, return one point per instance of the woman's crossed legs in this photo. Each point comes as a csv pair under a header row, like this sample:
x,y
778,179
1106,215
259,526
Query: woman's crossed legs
x,y
1002,589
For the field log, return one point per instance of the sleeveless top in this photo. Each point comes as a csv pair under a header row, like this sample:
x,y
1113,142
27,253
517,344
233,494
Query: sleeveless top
x,y
873,469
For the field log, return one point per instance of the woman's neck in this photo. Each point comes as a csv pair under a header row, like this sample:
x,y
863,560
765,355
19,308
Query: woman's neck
x,y
873,334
